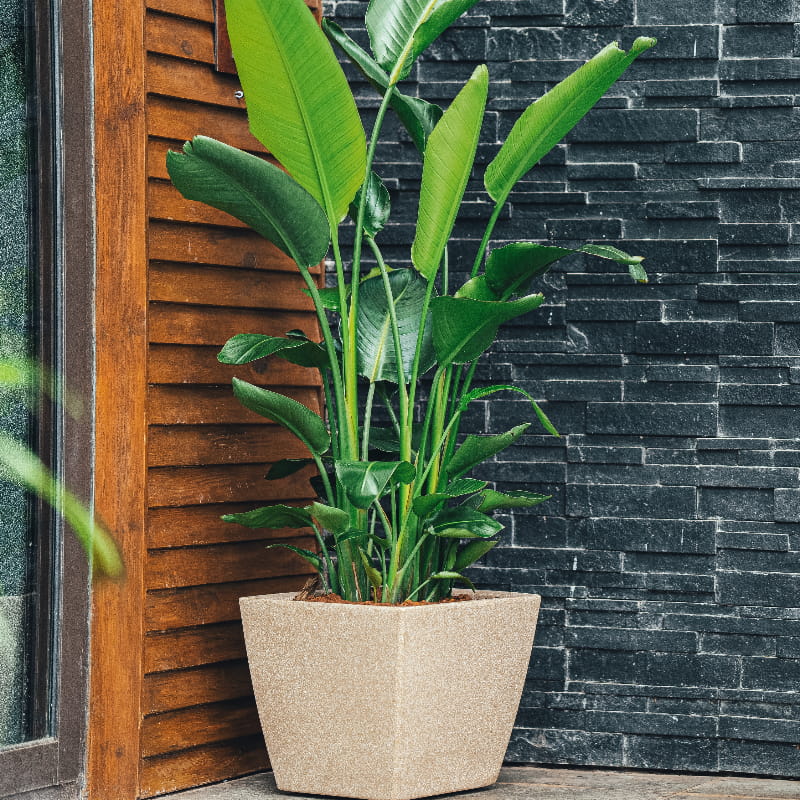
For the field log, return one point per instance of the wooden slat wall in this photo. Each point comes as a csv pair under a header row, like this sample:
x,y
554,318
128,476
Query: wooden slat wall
x,y
208,278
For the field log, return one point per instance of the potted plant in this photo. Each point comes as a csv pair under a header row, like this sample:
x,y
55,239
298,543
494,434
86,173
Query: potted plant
x,y
399,691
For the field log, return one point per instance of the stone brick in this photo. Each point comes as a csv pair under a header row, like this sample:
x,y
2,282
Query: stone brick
x,y
668,419
758,589
637,125
676,475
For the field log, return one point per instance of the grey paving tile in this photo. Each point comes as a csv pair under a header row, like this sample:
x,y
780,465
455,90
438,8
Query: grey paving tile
x,y
534,783
740,788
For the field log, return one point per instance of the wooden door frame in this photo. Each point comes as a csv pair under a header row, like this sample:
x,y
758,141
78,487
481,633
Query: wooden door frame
x,y
121,385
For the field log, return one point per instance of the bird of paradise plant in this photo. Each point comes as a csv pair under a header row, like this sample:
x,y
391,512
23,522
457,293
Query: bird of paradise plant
x,y
398,516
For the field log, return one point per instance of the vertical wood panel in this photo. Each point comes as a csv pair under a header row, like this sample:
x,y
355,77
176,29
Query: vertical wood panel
x,y
121,342
176,711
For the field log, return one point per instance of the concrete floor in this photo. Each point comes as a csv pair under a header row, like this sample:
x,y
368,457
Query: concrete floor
x,y
521,783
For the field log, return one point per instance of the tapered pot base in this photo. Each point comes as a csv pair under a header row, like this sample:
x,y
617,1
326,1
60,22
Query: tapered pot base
x,y
388,703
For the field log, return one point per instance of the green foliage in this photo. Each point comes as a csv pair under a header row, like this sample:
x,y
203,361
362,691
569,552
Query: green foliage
x,y
297,96
406,527
377,359
254,191
446,170
22,467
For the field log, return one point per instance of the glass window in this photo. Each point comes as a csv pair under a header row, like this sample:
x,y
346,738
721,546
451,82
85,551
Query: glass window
x,y
17,341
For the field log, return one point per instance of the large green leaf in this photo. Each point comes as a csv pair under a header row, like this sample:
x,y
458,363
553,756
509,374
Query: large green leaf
x,y
511,268
417,115
476,449
312,558
365,481
329,517
377,359
492,500
446,170
427,503
258,193
400,30
448,575
298,102
295,417
376,206
485,391
20,466
279,516
463,523
286,467
544,123
471,552
463,327
246,347
392,25
445,13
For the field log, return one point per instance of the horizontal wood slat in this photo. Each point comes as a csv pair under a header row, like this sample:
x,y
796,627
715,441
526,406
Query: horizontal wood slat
x,y
190,727
196,525
169,691
208,764
203,605
180,324
221,444
169,118
223,563
193,647
221,286
212,405
169,363
180,38
175,77
225,247
209,278
191,486
195,9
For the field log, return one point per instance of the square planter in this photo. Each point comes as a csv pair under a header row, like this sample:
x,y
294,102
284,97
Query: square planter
x,y
388,703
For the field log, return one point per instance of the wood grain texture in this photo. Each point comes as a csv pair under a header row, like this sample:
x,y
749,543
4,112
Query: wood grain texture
x,y
196,525
180,38
206,764
190,727
221,286
168,691
181,324
203,605
120,304
211,405
179,363
223,563
190,486
194,9
170,118
188,80
221,444
193,647
182,710
221,246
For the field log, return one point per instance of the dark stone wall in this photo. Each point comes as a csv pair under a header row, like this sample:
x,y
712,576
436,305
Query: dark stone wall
x,y
669,555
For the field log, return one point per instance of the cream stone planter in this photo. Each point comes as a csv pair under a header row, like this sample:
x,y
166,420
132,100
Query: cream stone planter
x,y
388,703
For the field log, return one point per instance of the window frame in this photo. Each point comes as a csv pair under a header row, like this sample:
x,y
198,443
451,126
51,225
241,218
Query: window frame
x,y
64,202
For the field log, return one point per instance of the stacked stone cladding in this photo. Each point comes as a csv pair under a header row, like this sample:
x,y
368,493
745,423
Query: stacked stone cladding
x,y
669,554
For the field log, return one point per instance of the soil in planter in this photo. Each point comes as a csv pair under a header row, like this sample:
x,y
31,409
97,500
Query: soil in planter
x,y
335,598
